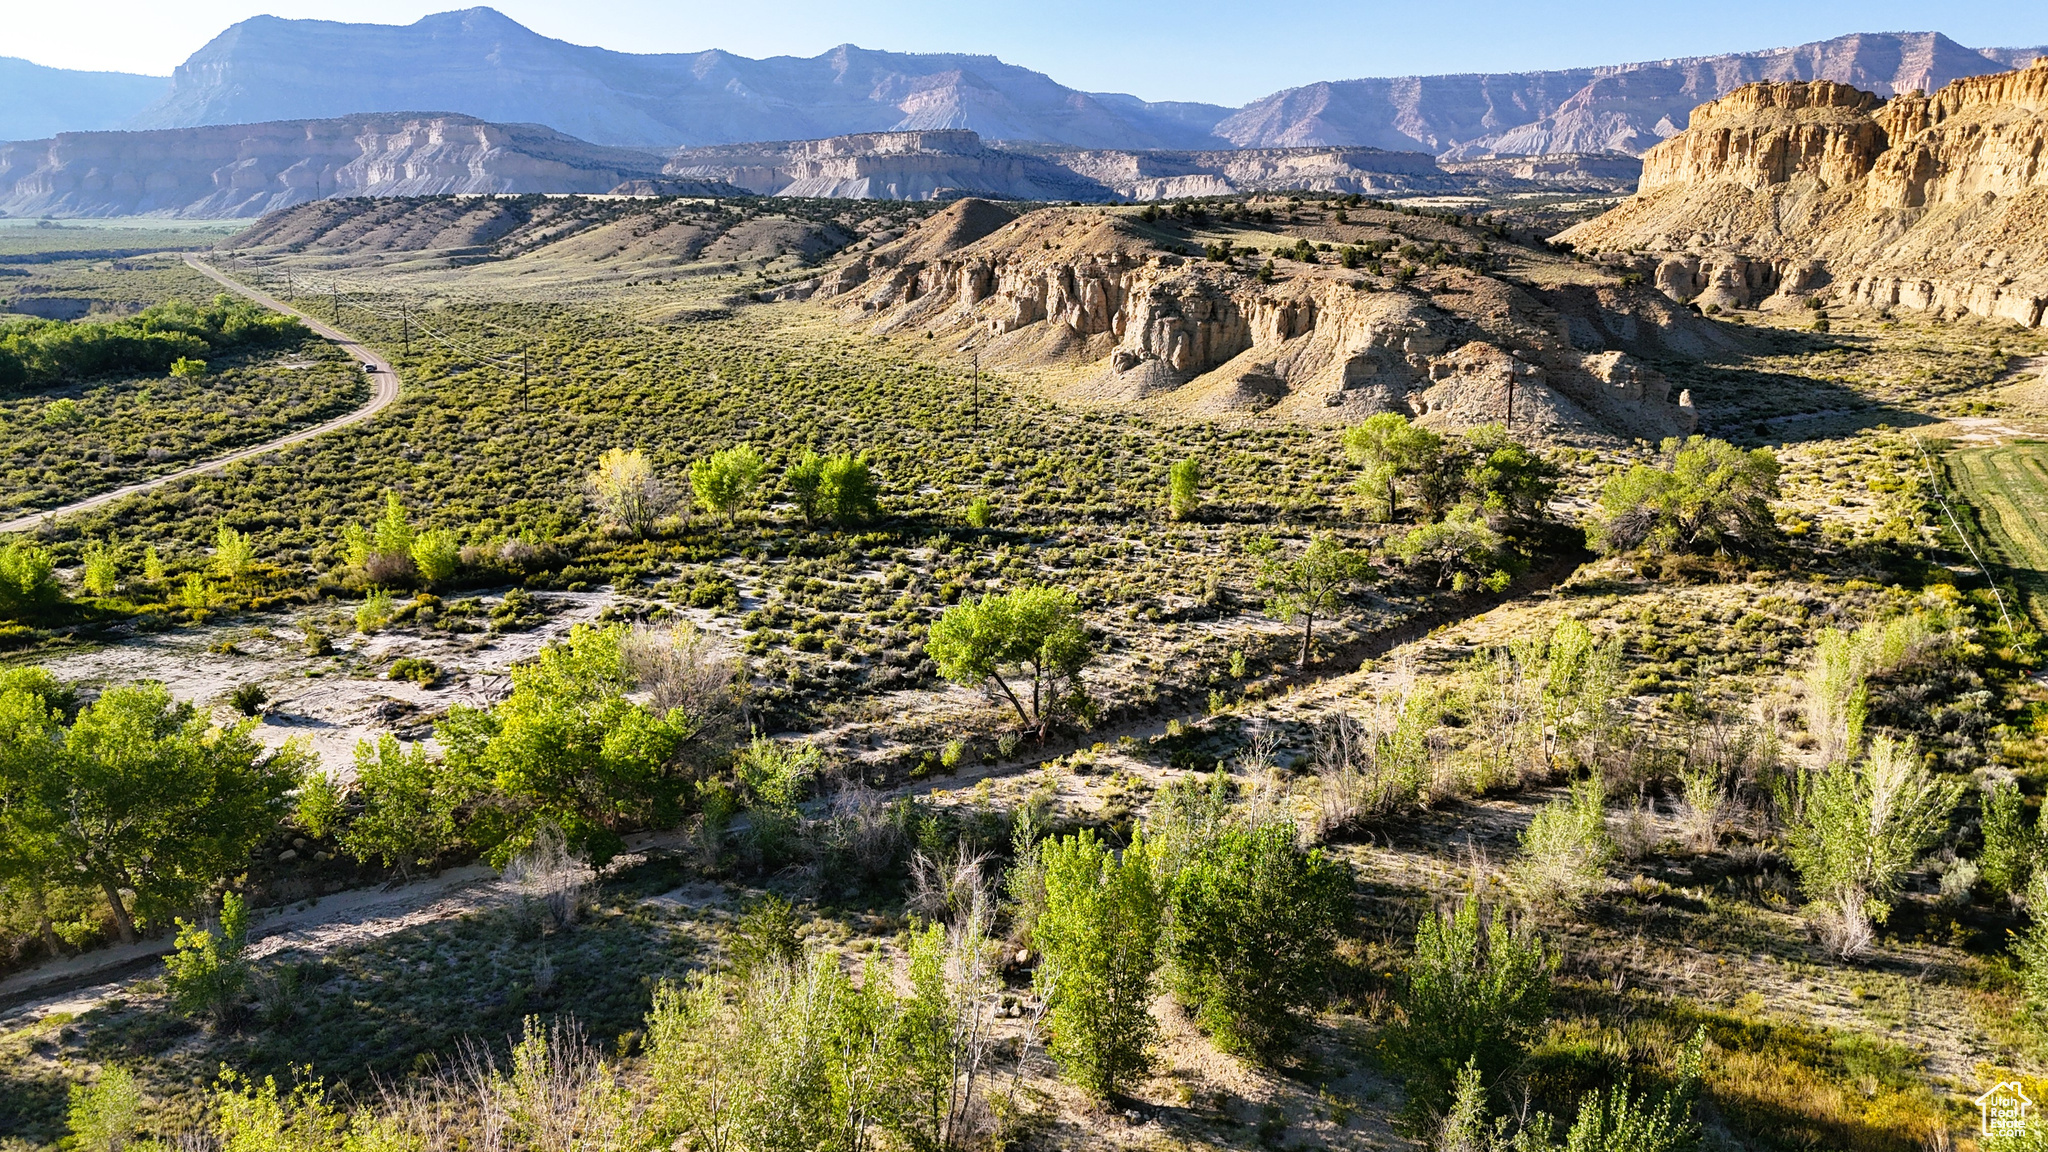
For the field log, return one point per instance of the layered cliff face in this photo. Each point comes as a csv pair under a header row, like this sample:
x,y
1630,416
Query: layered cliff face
x,y
946,164
250,169
1932,202
1088,297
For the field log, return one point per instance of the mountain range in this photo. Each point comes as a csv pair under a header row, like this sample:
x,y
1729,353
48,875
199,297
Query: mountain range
x,y
480,63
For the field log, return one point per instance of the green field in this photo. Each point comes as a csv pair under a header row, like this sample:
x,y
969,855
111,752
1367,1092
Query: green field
x,y
2008,487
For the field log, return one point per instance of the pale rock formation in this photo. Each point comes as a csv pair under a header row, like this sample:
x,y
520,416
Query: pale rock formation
x,y
1080,288
1926,202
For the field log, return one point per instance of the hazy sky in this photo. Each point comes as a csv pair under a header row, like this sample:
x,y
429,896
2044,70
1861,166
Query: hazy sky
x,y
1222,52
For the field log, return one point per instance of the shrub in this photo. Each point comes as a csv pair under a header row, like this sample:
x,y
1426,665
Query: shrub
x,y
1617,1120
1566,848
435,554
1251,926
1708,496
421,672
102,574
375,611
1098,937
248,699
206,971
27,577
2012,848
409,806
1472,993
775,776
186,368
1184,488
980,512
1853,830
105,1114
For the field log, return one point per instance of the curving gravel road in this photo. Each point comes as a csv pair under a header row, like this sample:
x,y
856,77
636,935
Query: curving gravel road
x,y
383,375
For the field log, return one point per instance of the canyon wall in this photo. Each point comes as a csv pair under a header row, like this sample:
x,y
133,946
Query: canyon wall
x,y
1133,326
1936,202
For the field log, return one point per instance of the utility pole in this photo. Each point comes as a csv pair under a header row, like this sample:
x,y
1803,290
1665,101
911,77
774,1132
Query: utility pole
x,y
291,294
1510,422
405,325
524,374
977,391
335,288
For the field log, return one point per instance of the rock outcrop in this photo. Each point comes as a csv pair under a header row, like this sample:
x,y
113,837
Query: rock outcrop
x,y
249,169
1130,324
953,163
1929,202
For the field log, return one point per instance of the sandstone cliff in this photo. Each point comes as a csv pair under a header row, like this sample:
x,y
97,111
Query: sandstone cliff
x,y
1928,202
948,164
1090,296
250,169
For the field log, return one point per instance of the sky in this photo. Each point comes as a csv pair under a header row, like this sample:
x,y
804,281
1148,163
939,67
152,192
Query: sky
x,y
1219,51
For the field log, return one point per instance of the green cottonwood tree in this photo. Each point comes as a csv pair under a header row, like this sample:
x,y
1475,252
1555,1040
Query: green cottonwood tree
x,y
409,806
568,749
1391,450
725,482
1252,924
149,797
1310,584
1853,830
1708,496
1099,936
1029,634
832,489
1473,992
31,741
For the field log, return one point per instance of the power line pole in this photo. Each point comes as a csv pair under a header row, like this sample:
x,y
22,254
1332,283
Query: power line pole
x,y
977,391
405,324
1510,422
524,373
335,288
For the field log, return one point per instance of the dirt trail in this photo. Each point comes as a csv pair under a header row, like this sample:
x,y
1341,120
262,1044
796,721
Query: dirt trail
x,y
381,372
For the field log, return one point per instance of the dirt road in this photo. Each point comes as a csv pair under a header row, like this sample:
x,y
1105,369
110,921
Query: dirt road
x,y
382,374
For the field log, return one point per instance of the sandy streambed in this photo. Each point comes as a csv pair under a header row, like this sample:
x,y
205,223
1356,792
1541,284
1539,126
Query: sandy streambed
x,y
330,702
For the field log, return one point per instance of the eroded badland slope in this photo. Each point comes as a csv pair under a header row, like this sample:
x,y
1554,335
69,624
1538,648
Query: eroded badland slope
x,y
1928,202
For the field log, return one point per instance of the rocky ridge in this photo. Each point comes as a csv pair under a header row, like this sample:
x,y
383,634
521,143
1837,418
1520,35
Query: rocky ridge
x,y
952,163
249,169
1936,202
1093,296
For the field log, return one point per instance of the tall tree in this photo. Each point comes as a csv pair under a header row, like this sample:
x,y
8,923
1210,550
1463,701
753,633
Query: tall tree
x,y
1707,496
1099,935
1391,450
628,491
150,797
725,481
1309,584
567,749
1033,635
